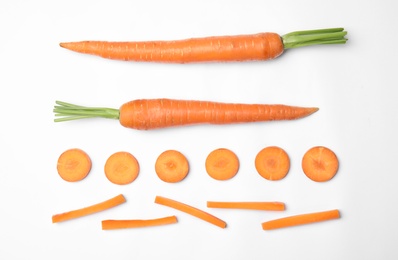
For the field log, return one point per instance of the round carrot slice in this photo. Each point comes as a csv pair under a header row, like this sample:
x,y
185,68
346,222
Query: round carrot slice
x,y
320,164
121,168
171,166
222,164
272,163
73,165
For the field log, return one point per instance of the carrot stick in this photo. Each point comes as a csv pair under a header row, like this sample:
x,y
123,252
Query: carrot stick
x,y
262,46
272,163
115,201
121,168
171,166
301,219
277,206
73,165
147,114
191,211
137,223
320,164
222,164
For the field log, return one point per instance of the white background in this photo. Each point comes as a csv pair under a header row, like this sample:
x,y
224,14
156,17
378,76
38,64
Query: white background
x,y
354,85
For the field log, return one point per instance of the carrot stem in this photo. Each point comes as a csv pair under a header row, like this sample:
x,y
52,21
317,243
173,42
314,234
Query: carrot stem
x,y
115,201
191,211
67,112
314,37
137,223
301,219
277,206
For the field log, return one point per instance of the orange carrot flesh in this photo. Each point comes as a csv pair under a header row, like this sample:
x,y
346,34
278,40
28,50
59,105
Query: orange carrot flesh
x,y
275,206
191,211
171,166
320,164
121,168
113,202
147,114
263,46
272,163
222,164
137,223
301,219
73,165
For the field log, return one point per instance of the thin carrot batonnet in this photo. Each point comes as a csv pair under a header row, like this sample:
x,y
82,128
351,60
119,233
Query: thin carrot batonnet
x,y
121,168
222,164
261,46
272,163
171,166
301,219
320,164
137,223
147,114
73,165
191,211
251,205
113,202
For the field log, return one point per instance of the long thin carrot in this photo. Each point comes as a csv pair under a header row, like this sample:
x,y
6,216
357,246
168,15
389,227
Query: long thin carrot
x,y
262,46
115,201
190,210
137,223
277,206
147,114
73,165
301,219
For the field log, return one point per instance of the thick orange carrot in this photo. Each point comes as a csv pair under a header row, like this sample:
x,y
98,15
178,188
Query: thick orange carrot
x,y
191,211
277,206
137,223
171,166
222,164
320,164
115,201
301,219
121,168
262,46
147,114
73,165
272,163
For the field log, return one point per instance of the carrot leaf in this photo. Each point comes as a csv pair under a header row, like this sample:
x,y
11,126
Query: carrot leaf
x,y
66,112
314,37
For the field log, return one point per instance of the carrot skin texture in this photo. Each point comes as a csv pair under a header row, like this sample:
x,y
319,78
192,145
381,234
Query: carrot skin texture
x,y
262,46
115,201
145,114
191,211
137,223
301,219
276,206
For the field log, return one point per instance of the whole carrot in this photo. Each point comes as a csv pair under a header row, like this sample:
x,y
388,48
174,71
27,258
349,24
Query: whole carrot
x,y
144,114
262,46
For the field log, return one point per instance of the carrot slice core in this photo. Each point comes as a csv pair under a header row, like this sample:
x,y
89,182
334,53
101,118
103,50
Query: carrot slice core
x,y
272,163
73,165
121,168
320,164
222,164
171,166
